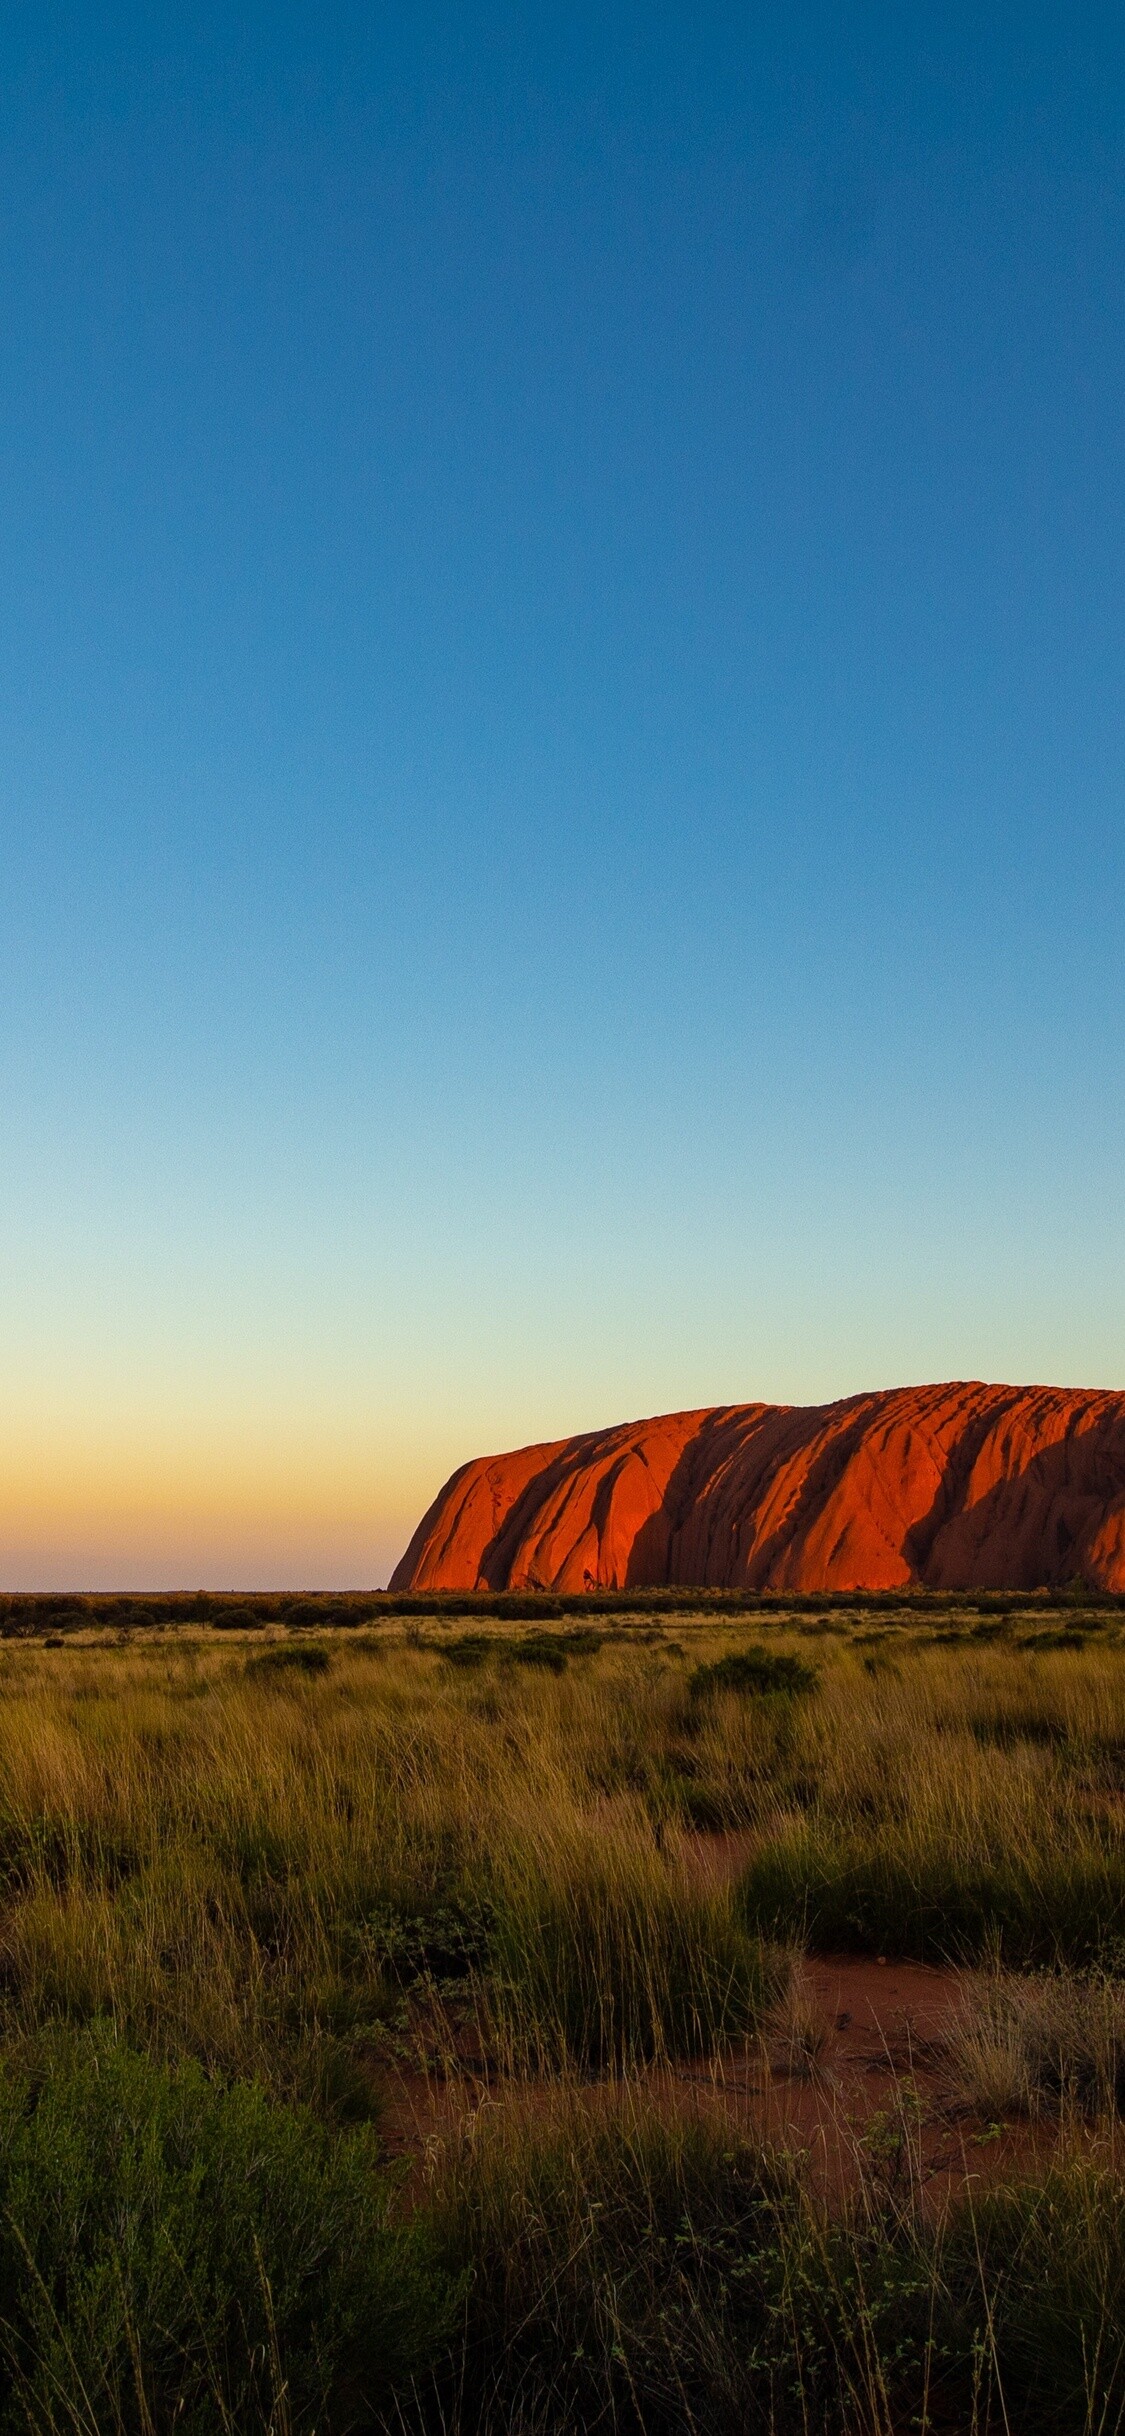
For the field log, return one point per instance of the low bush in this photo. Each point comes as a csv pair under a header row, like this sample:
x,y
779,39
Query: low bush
x,y
290,1658
439,1947
754,1672
549,1650
546,1649
174,2253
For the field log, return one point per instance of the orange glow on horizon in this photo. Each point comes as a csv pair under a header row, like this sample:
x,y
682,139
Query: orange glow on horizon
x,y
176,1508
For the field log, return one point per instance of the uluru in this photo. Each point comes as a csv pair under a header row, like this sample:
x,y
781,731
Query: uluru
x,y
956,1487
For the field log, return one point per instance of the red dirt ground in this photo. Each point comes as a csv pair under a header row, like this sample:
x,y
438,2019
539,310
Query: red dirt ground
x,y
861,2037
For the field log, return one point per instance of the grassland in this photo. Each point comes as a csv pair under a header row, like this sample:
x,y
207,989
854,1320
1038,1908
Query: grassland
x,y
268,1865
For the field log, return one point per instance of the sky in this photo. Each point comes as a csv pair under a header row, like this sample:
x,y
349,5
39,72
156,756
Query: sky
x,y
562,741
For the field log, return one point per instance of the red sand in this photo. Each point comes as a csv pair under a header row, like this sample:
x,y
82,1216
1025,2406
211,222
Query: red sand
x,y
959,1487
884,2030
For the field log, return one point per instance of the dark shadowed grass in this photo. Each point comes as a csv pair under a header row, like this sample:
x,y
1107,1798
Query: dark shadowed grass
x,y
630,2269
638,2270
1034,2290
176,2254
888,1892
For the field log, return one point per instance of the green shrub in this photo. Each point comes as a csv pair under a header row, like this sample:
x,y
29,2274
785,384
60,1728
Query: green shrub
x,y
754,1672
546,1649
470,1649
443,1944
290,1657
234,1619
177,2253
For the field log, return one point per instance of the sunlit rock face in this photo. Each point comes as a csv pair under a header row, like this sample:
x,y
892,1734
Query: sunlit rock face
x,y
951,1488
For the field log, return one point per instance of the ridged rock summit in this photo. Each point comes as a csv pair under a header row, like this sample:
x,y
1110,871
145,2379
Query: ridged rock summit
x,y
963,1487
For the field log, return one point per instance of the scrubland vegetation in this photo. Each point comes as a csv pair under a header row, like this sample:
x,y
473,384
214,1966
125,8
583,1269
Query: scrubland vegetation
x,y
553,1876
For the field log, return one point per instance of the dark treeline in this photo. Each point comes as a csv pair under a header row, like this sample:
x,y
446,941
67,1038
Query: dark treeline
x,y
33,1612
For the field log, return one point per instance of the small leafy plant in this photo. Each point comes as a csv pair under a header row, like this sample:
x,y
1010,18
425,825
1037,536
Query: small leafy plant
x,y
755,1673
291,1658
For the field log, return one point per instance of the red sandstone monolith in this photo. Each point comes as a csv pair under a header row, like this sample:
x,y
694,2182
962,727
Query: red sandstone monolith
x,y
962,1487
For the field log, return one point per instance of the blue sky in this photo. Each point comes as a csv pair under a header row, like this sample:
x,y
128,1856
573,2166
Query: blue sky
x,y
561,704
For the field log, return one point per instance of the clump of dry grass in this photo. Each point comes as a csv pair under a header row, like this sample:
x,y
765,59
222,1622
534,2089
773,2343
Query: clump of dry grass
x,y
605,1954
797,2029
1048,2042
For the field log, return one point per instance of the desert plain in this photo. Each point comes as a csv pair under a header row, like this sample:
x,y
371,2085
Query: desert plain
x,y
645,2011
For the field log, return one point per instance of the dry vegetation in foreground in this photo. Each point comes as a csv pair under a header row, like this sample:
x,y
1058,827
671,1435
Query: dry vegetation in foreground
x,y
553,1872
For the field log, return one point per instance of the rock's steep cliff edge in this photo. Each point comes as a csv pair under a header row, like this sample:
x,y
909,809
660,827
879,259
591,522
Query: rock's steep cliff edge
x,y
956,1487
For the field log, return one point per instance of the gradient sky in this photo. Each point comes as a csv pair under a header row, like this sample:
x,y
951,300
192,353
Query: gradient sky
x,y
562,706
